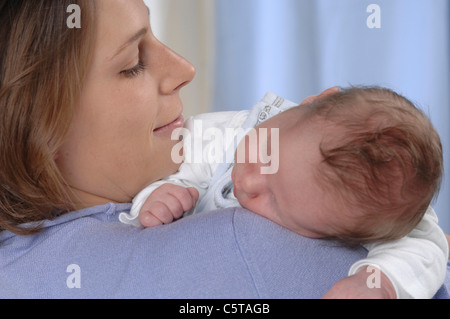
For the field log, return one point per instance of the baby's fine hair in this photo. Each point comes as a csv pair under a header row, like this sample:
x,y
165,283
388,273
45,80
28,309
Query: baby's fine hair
x,y
383,160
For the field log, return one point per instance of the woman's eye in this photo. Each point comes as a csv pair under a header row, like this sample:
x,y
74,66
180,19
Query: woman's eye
x,y
135,71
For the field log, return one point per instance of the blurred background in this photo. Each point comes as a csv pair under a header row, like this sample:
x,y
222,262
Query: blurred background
x,y
298,48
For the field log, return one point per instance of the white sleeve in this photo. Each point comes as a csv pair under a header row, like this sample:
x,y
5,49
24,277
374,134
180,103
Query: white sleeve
x,y
185,177
131,218
200,160
416,265
189,175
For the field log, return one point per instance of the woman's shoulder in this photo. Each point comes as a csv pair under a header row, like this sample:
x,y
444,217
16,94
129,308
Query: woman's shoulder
x,y
230,253
100,213
91,254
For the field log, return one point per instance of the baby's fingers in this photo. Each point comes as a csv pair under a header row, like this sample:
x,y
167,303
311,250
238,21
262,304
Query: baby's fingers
x,y
191,198
148,220
155,214
182,201
166,204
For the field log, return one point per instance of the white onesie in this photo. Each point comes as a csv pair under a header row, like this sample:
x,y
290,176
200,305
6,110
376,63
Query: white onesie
x,y
415,264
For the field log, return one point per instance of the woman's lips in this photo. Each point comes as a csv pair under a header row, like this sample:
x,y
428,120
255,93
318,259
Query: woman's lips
x,y
178,123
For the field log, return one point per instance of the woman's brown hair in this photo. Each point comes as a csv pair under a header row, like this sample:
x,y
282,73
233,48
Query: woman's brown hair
x,y
43,62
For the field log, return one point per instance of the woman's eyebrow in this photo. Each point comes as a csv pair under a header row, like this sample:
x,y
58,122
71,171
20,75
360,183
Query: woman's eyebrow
x,y
138,35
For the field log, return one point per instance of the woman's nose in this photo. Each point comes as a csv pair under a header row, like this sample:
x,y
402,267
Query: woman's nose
x,y
177,72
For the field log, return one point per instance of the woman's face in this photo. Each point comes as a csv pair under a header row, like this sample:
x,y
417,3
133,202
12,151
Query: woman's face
x,y
120,137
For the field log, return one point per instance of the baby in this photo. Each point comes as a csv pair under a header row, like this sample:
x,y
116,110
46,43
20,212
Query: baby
x,y
360,165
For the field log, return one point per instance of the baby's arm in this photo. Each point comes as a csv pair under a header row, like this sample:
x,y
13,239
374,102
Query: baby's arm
x,y
416,264
360,286
191,174
167,199
187,179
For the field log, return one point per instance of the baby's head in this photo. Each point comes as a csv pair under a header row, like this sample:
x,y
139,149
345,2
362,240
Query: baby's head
x,y
384,160
361,165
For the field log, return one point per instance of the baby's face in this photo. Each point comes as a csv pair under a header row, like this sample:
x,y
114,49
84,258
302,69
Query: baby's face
x,y
291,197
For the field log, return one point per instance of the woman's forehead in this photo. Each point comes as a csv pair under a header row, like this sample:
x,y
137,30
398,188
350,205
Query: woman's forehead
x,y
119,21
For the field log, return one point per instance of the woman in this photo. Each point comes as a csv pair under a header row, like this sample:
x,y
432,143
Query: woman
x,y
87,116
118,141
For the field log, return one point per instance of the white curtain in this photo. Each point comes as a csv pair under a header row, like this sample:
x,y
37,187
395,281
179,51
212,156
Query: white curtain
x,y
187,27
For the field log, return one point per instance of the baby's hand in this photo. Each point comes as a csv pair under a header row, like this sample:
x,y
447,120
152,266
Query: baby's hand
x,y
166,204
356,287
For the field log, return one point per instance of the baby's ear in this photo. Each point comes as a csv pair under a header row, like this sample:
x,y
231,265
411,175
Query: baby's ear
x,y
325,93
330,91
